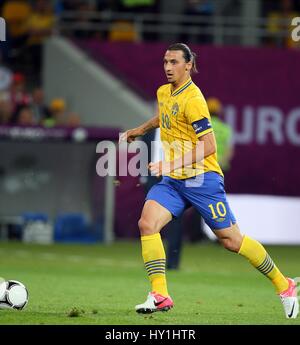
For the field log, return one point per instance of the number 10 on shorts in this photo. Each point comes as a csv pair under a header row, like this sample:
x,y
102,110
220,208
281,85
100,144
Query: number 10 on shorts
x,y
218,208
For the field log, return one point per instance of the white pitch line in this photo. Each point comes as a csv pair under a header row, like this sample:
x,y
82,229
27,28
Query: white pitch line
x,y
95,261
48,256
71,258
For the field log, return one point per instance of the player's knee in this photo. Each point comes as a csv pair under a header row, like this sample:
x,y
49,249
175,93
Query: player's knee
x,y
230,244
147,227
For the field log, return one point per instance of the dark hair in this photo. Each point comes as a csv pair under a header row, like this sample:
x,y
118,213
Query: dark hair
x,y
187,54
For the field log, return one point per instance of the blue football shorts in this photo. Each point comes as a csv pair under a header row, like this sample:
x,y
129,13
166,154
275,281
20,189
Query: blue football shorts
x,y
205,192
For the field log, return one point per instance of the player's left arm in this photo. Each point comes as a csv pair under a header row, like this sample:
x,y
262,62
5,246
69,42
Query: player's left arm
x,y
206,146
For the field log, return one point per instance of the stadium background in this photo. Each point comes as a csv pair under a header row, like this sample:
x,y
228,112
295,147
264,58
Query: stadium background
x,y
74,73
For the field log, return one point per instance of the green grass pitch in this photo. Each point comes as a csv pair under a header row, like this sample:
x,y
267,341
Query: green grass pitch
x,y
99,285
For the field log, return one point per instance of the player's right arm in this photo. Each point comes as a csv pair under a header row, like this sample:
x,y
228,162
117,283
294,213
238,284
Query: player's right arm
x,y
147,126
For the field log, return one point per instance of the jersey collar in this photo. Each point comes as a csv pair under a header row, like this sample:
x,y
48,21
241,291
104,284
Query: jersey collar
x,y
182,87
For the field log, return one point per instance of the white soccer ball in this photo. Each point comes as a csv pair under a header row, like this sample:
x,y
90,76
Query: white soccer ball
x,y
13,295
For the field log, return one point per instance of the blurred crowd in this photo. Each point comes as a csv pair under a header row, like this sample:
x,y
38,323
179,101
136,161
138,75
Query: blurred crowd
x,y
279,14
31,22
28,25
20,107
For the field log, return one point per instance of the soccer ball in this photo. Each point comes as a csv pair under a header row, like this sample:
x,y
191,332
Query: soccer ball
x,y
13,295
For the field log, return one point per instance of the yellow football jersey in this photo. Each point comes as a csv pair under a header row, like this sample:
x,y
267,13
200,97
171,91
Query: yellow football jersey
x,y
183,118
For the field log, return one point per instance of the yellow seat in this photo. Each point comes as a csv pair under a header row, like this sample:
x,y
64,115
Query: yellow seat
x,y
16,14
123,31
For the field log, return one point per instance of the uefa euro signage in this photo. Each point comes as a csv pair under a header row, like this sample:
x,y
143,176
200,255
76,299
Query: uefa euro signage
x,y
2,29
